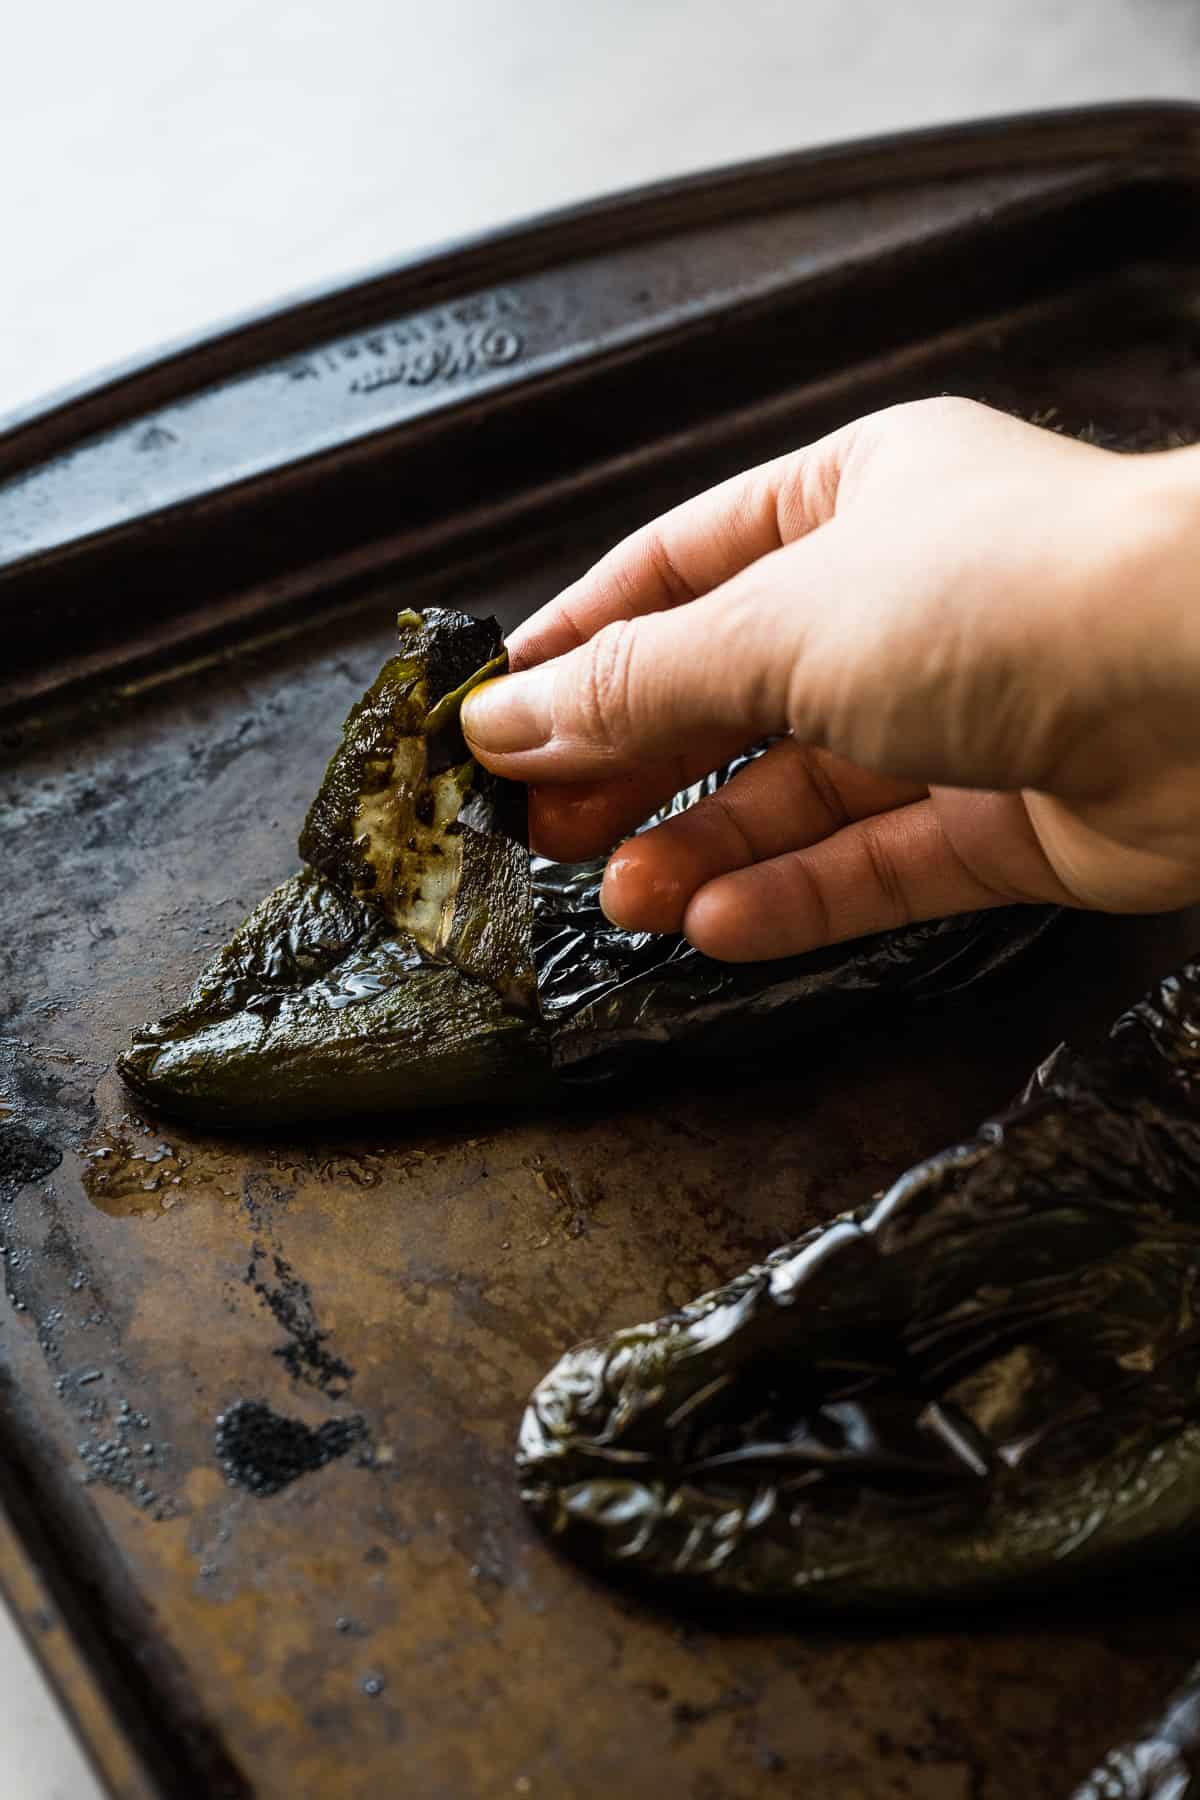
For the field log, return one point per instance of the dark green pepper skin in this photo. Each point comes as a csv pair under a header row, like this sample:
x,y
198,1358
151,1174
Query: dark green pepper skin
x,y
375,981
437,654
460,974
317,1009
408,822
988,1378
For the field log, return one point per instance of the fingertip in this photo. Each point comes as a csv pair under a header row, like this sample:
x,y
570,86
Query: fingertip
x,y
546,633
523,649
704,924
714,922
643,890
612,899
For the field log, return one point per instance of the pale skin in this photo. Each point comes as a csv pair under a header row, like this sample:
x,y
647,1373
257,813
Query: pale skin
x,y
983,642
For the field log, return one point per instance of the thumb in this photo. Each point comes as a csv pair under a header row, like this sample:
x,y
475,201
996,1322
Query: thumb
x,y
666,685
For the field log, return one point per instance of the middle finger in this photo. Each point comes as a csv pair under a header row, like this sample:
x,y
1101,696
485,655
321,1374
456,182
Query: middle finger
x,y
789,798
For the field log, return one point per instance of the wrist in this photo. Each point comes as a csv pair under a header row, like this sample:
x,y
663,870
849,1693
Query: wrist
x,y
1162,603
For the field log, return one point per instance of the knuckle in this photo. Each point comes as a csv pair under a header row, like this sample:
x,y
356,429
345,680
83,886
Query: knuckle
x,y
808,489
948,406
808,898
725,809
605,691
934,411
570,615
664,569
815,699
883,873
824,791
893,435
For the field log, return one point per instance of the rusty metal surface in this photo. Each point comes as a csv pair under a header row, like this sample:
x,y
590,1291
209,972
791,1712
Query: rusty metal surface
x,y
389,1623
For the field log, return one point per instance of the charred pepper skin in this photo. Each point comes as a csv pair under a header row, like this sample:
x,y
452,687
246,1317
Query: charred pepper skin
x,y
989,1378
315,1010
423,959
373,981
1162,1762
409,823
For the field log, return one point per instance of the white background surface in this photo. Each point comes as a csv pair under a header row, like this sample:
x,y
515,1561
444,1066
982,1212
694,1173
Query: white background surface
x,y
164,163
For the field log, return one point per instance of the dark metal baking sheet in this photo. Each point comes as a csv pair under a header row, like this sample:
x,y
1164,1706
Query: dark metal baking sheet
x,y
198,565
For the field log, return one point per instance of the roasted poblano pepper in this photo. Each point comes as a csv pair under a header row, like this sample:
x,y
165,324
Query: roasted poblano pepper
x,y
1162,1762
395,971
423,958
989,1377
407,822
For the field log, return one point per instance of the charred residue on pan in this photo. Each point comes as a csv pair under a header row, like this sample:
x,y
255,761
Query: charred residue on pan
x,y
288,1298
264,1452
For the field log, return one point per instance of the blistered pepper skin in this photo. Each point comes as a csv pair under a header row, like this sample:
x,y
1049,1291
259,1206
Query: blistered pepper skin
x,y
1162,1762
315,1010
423,959
989,1378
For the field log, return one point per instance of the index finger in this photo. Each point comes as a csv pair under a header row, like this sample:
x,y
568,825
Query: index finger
x,y
690,550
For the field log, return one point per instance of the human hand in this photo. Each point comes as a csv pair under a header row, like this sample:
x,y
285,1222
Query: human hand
x,y
983,640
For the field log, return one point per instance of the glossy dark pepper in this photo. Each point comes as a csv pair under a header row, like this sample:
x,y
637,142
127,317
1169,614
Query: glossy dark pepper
x,y
395,972
424,959
1162,1762
989,1377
